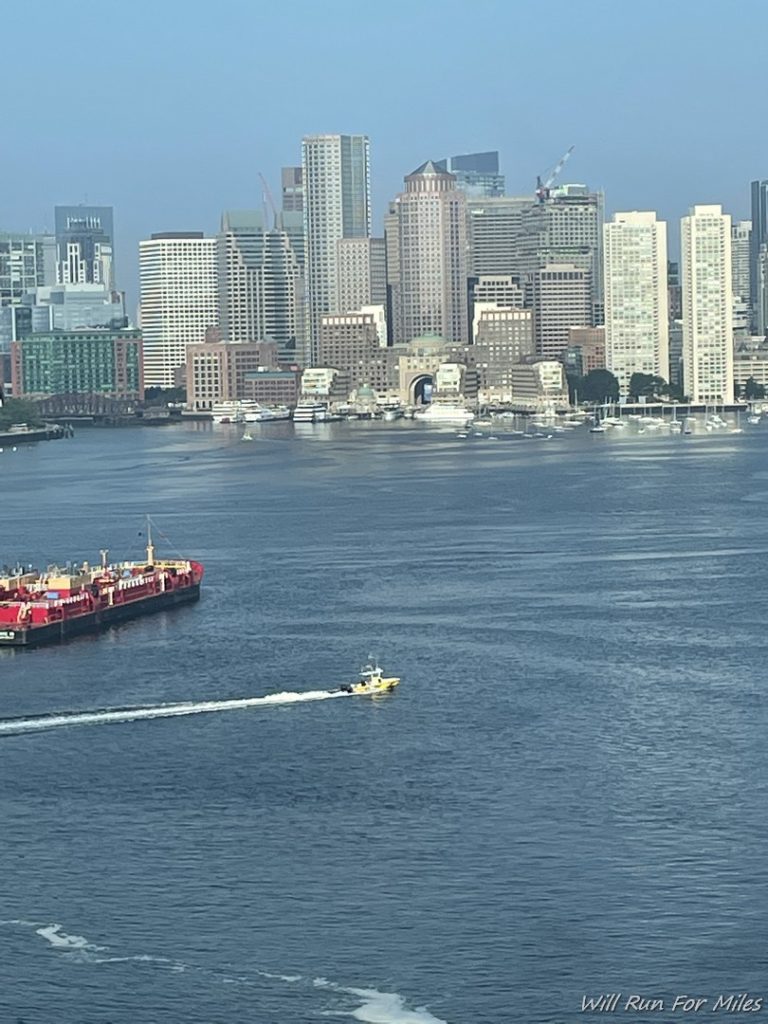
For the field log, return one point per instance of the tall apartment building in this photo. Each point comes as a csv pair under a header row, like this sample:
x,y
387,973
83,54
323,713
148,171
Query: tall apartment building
x,y
292,189
26,262
495,229
562,298
567,227
179,300
477,174
336,184
431,228
85,245
361,277
758,247
260,284
636,307
707,304
741,238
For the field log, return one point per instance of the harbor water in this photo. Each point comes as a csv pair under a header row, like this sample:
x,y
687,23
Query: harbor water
x,y
565,797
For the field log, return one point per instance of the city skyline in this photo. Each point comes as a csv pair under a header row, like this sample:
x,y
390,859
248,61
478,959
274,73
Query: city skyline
x,y
178,163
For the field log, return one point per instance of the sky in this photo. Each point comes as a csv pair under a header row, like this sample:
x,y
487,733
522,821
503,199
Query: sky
x,y
167,110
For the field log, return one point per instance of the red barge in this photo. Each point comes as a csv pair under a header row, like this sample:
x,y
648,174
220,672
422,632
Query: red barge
x,y
53,606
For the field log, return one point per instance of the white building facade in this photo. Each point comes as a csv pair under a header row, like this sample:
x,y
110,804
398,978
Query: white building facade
x,y
636,299
179,300
706,271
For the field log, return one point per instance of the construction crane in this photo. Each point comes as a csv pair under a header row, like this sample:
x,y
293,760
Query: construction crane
x,y
543,187
267,194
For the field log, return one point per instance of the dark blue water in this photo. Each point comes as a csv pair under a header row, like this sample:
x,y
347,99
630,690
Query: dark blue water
x,y
567,795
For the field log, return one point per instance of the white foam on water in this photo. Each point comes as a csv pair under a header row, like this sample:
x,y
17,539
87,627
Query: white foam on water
x,y
25,725
388,1008
374,1007
380,1007
61,940
290,978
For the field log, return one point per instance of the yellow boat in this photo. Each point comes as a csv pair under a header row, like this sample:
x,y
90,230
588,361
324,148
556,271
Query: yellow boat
x,y
372,682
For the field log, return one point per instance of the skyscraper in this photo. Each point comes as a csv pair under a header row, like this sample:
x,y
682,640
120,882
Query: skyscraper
x,y
293,189
707,305
179,300
561,300
260,284
336,182
477,174
567,227
495,227
85,244
432,250
758,245
636,302
361,274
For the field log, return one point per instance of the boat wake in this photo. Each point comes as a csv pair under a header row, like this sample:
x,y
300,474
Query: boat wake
x,y
105,716
363,1004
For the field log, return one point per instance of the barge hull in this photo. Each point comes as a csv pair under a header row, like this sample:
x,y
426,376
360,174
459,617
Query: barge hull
x,y
96,621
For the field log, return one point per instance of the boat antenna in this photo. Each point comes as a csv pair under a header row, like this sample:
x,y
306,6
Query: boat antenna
x,y
150,545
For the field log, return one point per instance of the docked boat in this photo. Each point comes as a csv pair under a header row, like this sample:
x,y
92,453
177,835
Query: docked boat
x,y
444,414
309,411
235,412
53,606
372,683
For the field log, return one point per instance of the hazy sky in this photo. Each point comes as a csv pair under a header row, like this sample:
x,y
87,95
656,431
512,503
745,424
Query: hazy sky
x,y
167,110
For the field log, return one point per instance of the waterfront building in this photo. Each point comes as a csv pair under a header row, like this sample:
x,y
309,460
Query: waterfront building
x,y
272,387
260,284
431,293
586,349
562,298
361,278
292,189
88,362
758,245
495,232
85,245
750,361
179,300
539,385
707,305
336,187
218,371
352,342
476,174
504,326
567,227
636,309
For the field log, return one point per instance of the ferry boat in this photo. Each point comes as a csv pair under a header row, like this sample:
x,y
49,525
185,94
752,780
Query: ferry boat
x,y
372,683
53,606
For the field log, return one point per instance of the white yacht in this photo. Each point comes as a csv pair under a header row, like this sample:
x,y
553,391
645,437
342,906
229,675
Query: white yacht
x,y
444,414
310,411
273,412
235,412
